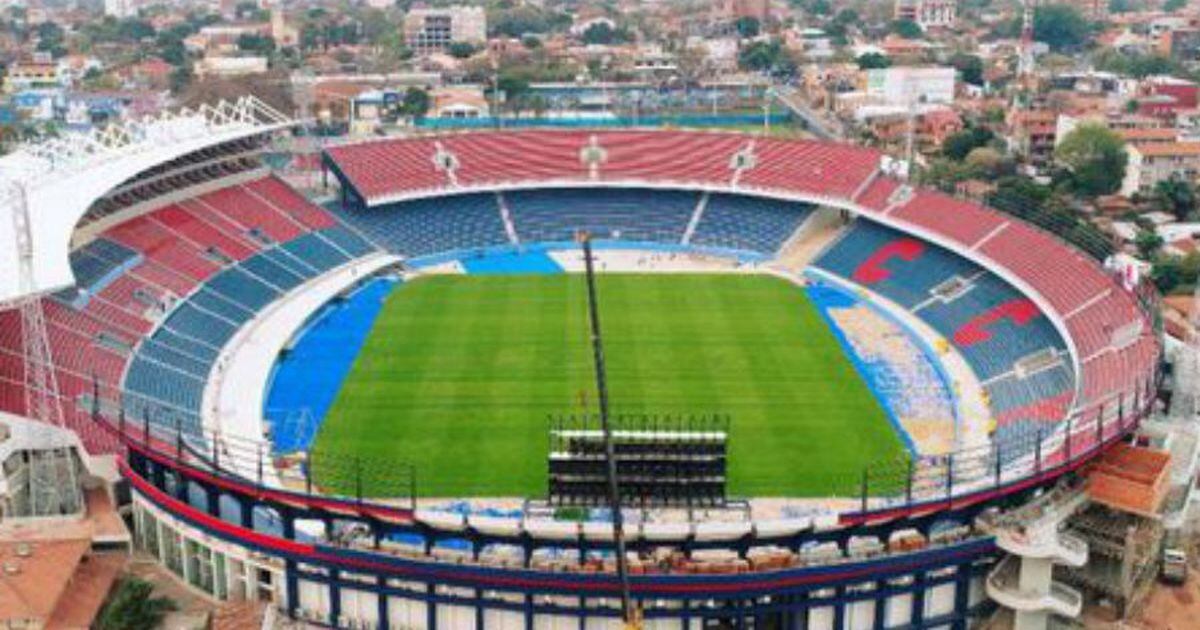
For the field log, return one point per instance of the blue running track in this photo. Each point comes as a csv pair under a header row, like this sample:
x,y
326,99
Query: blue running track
x,y
308,378
529,261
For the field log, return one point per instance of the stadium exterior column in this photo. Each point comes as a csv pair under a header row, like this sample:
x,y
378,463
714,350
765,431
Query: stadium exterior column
x,y
287,523
839,607
800,617
181,487
881,599
528,611
431,607
962,591
247,505
212,501
479,609
291,585
335,598
918,600
381,604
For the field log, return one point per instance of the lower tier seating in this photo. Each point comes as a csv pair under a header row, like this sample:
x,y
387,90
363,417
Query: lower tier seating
x,y
617,214
431,226
748,223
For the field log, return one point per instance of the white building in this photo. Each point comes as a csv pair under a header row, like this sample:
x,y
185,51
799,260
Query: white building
x,y
1153,163
428,29
121,8
927,13
230,66
907,85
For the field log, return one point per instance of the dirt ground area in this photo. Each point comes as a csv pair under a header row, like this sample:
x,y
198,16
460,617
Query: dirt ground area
x,y
1169,607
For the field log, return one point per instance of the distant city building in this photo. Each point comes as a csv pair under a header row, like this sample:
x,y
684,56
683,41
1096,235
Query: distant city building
x,y
230,66
1151,163
1165,96
429,30
927,13
121,8
725,10
459,102
908,85
1182,44
34,75
1033,134
1091,9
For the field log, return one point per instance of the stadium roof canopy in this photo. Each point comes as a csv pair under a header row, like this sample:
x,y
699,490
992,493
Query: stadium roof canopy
x,y
54,182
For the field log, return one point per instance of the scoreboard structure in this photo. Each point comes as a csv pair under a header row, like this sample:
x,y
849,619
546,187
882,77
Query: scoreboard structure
x,y
660,461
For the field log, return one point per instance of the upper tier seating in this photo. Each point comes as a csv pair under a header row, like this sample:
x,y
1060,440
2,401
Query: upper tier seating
x,y
434,225
100,262
396,167
622,214
378,167
748,223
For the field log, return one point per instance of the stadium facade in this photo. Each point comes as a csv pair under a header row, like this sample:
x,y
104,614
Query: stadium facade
x,y
171,268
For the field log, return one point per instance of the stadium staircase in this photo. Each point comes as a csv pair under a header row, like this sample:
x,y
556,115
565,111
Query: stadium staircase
x,y
809,240
1033,540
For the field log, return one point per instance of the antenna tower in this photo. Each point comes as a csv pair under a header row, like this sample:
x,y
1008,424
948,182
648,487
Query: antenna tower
x,y
51,479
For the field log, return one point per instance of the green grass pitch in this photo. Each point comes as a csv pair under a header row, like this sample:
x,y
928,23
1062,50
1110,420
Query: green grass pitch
x,y
460,374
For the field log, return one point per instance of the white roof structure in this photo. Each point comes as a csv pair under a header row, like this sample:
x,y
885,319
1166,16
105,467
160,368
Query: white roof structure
x,y
54,182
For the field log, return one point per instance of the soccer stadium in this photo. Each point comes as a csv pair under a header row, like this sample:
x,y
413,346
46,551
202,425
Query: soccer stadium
x,y
406,388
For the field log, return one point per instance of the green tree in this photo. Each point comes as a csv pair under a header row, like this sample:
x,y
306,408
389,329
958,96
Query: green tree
x,y
747,27
133,30
181,78
907,29
416,103
1172,6
1176,196
873,60
943,174
986,162
1134,64
1120,6
970,67
769,57
957,145
134,607
1095,158
602,33
250,11
1060,26
1175,274
461,50
257,44
1148,242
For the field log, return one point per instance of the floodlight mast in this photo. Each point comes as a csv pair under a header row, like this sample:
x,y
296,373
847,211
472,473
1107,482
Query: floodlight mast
x,y
614,497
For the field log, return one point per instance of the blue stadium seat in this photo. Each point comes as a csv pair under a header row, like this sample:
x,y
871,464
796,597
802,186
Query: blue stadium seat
x,y
629,215
316,252
431,226
748,223
348,241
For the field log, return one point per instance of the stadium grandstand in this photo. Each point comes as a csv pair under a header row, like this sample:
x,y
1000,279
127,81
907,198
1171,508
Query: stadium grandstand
x,y
192,318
